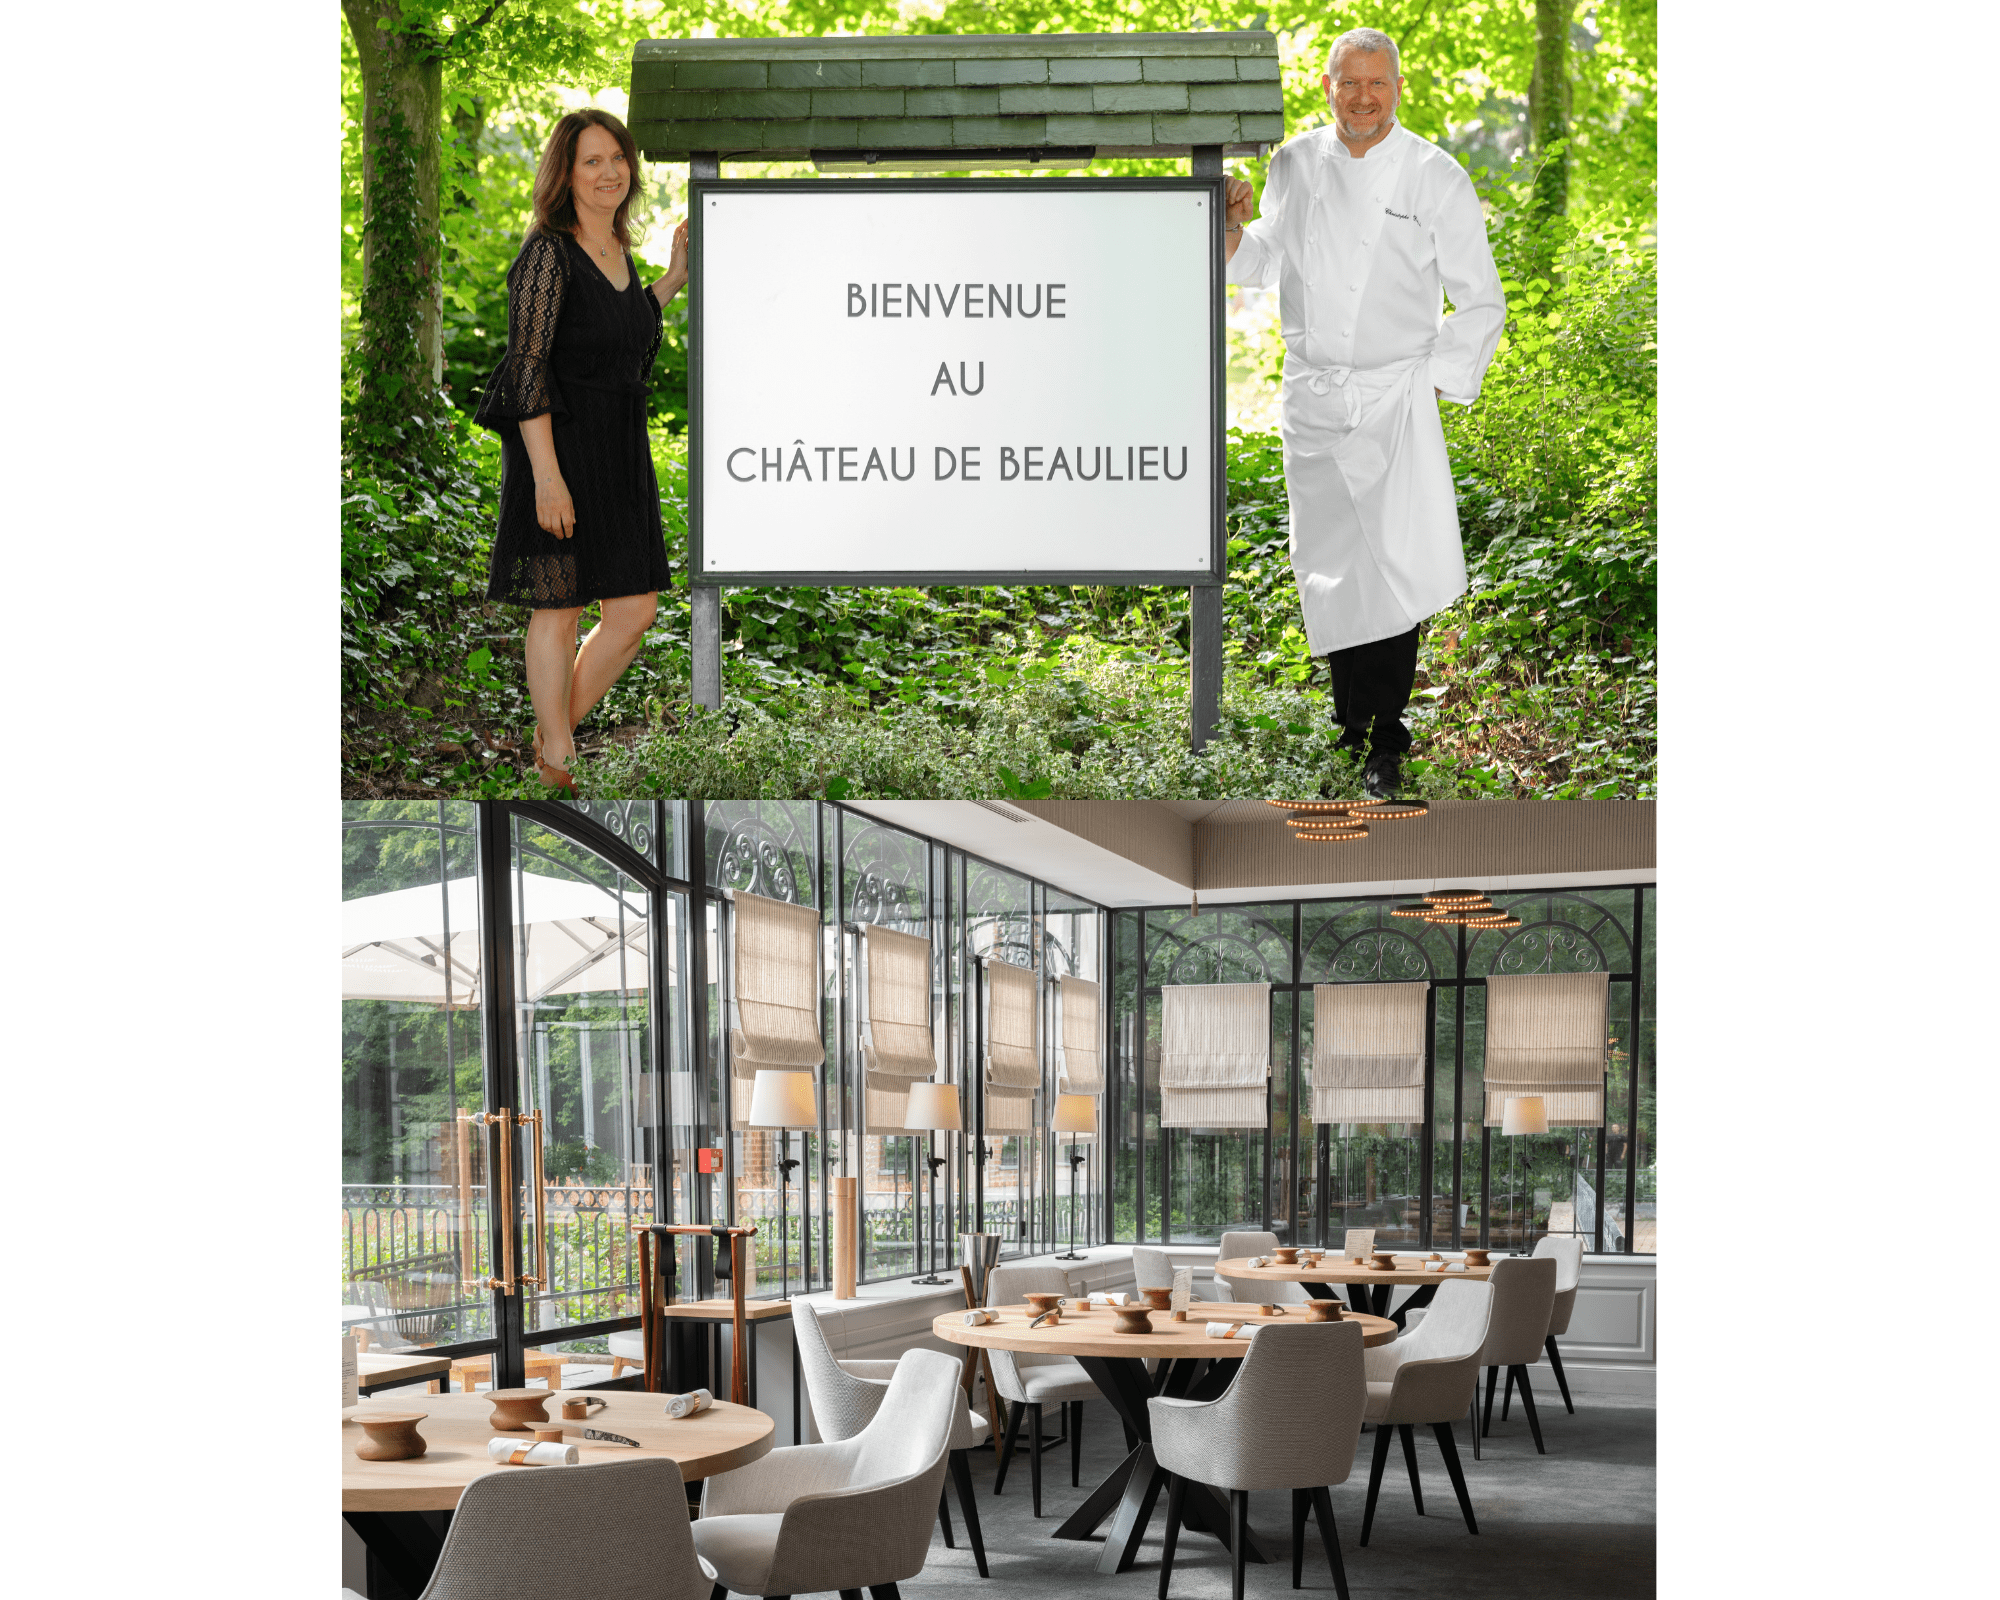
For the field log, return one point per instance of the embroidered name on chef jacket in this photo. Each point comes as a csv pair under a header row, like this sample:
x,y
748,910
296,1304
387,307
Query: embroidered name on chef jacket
x,y
1404,216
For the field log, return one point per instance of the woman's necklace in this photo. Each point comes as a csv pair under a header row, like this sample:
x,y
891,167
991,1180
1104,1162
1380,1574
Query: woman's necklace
x,y
603,250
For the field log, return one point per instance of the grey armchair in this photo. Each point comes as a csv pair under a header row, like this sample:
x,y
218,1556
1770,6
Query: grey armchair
x,y
1429,1376
1567,1248
1524,1297
1235,1245
619,1528
1027,1383
1154,1269
845,1396
1290,1420
847,1515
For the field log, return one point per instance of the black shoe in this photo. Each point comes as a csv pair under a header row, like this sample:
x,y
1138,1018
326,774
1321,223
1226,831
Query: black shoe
x,y
1352,741
1383,774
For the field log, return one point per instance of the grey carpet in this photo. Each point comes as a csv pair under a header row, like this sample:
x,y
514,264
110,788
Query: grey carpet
x,y
1575,1524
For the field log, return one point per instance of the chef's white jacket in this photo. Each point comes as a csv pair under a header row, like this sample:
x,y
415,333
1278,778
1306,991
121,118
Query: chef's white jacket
x,y
1362,250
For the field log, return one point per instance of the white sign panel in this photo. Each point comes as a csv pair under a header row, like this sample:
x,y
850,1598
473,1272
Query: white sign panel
x,y
987,381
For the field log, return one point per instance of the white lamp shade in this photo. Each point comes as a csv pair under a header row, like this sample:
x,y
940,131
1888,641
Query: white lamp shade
x,y
933,1107
1075,1113
1525,1113
783,1100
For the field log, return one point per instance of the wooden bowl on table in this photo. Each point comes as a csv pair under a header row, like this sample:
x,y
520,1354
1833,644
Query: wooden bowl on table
x,y
1478,1258
1158,1299
392,1435
1043,1302
1133,1319
519,1410
1384,1261
1287,1255
1322,1311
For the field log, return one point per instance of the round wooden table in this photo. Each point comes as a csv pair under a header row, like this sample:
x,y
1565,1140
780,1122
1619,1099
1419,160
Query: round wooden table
x,y
1367,1286
395,1506
1192,1366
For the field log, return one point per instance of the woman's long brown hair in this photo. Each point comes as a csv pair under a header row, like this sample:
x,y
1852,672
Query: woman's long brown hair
x,y
555,206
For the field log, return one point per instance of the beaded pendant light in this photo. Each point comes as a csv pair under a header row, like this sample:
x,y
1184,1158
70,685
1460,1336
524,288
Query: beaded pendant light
x,y
1343,821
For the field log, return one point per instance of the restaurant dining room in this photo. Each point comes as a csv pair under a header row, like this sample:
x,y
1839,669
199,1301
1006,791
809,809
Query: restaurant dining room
x,y
1168,1198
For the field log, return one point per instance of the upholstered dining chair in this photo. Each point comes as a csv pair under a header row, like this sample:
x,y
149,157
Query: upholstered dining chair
x,y
1567,1248
1428,1377
845,1396
573,1533
1290,1420
1234,1247
842,1516
1154,1269
1524,1297
1027,1382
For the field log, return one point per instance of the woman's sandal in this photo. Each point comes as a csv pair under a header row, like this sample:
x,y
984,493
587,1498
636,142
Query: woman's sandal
x,y
543,769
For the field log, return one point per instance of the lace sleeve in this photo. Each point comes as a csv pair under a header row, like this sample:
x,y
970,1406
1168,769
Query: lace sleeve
x,y
659,325
524,384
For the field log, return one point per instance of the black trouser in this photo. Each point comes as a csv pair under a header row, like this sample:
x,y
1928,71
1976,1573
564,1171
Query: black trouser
x,y
1371,686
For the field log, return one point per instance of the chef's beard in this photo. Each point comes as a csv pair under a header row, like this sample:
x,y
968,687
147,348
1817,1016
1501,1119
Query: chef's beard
x,y
1379,127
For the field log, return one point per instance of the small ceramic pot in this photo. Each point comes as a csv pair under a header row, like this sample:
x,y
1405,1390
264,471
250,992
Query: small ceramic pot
x,y
392,1436
1288,1255
518,1410
1133,1319
1322,1311
1043,1302
1158,1299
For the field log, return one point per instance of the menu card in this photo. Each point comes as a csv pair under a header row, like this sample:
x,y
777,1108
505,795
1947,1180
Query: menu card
x,y
1183,1291
1360,1243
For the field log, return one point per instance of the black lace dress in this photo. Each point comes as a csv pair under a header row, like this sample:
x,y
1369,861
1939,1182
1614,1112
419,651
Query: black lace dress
x,y
581,352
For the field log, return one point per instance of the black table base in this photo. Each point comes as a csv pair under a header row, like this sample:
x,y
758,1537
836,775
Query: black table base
x,y
1129,1494
403,1549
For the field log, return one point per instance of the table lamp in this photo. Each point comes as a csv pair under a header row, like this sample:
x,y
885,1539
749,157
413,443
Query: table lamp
x,y
1074,1114
1526,1113
933,1108
783,1101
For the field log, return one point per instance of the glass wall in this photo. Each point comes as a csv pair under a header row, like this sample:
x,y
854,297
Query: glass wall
x,y
588,1086
1443,1182
415,1248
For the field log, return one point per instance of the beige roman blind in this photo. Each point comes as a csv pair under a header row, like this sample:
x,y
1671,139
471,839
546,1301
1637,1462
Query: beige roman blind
x,y
774,1011
1013,1070
896,1046
1368,1052
1215,1054
1545,1035
1079,1067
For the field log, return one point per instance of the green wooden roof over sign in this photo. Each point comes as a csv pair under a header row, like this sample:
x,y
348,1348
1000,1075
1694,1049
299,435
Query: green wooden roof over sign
x,y
896,98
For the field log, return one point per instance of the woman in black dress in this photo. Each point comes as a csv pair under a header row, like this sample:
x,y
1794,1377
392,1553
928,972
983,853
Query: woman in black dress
x,y
579,506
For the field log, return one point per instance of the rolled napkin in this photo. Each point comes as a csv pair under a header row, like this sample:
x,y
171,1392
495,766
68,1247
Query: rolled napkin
x,y
1120,1298
1257,1261
1229,1330
978,1315
686,1405
520,1453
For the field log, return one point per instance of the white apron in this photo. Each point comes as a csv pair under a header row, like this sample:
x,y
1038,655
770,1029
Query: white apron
x,y
1375,541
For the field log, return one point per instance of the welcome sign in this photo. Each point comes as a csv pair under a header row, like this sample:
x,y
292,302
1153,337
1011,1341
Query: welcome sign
x,y
933,381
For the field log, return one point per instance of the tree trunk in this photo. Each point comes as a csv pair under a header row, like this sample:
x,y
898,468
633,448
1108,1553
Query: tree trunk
x,y
1548,103
402,81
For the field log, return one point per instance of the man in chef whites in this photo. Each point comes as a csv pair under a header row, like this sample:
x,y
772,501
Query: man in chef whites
x,y
1363,223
